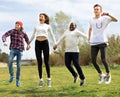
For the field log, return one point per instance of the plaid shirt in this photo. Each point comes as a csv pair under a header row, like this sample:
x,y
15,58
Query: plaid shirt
x,y
17,39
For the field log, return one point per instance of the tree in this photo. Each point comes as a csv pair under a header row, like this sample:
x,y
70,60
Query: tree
x,y
3,56
59,24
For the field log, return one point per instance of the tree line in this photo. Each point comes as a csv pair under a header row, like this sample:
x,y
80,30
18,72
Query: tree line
x,y
3,56
59,24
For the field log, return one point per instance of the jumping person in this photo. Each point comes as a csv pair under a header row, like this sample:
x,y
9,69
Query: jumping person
x,y
71,37
99,41
17,37
42,45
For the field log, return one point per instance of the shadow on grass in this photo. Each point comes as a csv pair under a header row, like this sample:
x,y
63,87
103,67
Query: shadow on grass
x,y
68,91
63,91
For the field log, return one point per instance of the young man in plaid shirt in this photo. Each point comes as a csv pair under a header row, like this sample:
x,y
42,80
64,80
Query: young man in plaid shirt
x,y
17,37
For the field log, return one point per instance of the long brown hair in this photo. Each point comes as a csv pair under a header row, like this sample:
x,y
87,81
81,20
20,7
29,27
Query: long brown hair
x,y
46,18
21,28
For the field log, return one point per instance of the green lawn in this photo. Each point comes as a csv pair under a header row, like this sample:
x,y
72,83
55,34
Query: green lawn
x,y
62,84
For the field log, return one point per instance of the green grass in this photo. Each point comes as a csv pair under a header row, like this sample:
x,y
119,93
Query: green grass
x,y
62,84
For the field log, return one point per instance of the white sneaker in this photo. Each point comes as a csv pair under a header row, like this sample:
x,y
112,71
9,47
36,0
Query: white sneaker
x,y
102,77
75,79
82,82
49,82
41,82
108,79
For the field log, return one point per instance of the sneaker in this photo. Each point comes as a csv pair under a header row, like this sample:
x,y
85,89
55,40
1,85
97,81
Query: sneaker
x,y
11,79
102,77
82,82
18,83
108,79
41,83
75,79
49,82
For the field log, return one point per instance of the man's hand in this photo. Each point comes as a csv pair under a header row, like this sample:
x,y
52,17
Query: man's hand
x,y
5,43
105,14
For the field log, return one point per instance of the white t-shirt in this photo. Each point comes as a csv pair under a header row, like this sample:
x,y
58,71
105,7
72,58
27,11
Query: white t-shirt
x,y
42,30
98,30
72,39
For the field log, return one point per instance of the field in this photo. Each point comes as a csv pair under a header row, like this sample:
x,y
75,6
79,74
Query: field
x,y
62,84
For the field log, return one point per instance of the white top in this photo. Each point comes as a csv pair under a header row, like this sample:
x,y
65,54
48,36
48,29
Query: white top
x,y
71,40
42,30
98,30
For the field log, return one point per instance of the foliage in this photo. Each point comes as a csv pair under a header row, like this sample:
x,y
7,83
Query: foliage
x,y
113,52
114,49
84,53
60,23
3,57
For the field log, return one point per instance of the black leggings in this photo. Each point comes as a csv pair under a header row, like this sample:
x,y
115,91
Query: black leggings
x,y
39,47
94,52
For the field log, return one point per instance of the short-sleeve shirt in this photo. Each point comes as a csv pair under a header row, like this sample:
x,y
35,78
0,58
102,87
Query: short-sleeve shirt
x,y
98,26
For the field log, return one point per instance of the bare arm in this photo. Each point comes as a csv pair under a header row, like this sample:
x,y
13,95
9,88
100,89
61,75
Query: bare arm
x,y
89,33
112,18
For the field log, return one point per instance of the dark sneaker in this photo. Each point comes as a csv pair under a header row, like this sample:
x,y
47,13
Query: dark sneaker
x,y
18,83
49,82
11,79
75,79
82,82
41,83
108,79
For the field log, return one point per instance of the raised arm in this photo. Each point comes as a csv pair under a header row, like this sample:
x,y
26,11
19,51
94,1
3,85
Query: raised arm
x,y
112,17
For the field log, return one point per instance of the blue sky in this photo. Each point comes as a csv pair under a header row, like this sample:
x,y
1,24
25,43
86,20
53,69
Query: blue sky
x,y
28,11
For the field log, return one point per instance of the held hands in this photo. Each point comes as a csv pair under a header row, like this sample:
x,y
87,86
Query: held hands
x,y
54,47
28,47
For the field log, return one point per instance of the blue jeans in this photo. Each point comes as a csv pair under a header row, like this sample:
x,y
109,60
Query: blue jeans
x,y
18,54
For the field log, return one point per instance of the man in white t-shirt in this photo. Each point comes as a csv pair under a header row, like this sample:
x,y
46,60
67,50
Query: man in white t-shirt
x,y
98,40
